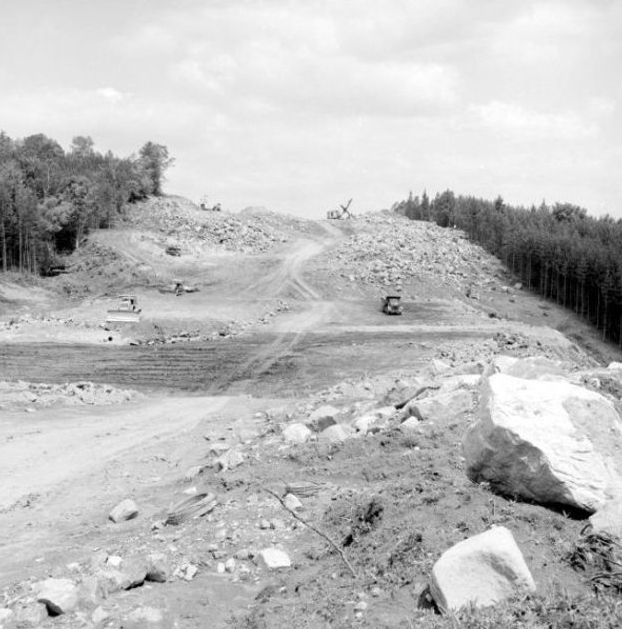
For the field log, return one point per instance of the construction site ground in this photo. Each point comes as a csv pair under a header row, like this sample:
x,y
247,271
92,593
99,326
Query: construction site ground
x,y
287,317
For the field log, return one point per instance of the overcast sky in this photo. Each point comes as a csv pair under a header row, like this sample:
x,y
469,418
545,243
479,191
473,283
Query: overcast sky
x,y
298,105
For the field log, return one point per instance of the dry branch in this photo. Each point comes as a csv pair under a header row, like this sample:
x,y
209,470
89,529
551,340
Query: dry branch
x,y
315,530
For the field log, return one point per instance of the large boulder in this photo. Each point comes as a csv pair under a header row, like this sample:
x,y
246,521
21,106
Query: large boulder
x,y
125,510
296,433
551,442
58,595
335,434
274,558
323,417
375,420
480,571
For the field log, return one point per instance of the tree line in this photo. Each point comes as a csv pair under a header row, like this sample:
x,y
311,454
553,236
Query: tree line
x,y
50,198
557,250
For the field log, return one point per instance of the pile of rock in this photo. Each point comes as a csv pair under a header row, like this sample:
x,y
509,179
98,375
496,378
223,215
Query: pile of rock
x,y
391,250
184,225
544,432
20,393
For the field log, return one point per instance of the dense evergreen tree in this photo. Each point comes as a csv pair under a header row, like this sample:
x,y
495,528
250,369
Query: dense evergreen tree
x,y
50,198
558,251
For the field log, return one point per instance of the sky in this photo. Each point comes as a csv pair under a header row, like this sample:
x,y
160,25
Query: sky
x,y
299,105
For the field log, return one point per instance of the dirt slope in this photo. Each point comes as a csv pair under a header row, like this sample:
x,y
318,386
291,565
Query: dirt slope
x,y
287,318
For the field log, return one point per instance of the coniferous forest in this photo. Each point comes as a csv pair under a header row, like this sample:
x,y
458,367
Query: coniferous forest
x,y
558,251
50,198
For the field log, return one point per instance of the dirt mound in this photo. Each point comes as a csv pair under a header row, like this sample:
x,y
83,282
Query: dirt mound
x,y
31,395
180,223
390,252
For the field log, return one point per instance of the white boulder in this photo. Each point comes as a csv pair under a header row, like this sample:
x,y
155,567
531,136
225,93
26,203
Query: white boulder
x,y
551,442
323,417
335,434
293,502
374,420
480,571
296,433
125,510
5,613
58,595
274,558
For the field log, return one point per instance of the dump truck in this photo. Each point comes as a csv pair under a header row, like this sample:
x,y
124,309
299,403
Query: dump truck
x,y
391,305
126,312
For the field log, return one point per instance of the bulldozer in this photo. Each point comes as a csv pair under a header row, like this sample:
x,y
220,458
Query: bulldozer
x,y
391,305
339,214
126,312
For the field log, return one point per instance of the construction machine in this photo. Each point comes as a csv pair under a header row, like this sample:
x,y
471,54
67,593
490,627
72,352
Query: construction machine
x,y
207,208
179,288
391,305
126,312
339,214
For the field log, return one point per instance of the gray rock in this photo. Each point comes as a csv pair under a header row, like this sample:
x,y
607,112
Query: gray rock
x,y
99,615
296,433
229,460
125,510
292,502
323,417
551,442
145,614
274,558
29,614
90,590
132,573
375,420
480,571
158,568
58,595
335,434
439,407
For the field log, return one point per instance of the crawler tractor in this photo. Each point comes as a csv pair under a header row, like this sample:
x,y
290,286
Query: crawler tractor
x,y
127,311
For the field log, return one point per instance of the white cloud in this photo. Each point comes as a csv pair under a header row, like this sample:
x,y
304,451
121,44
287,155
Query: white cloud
x,y
528,124
602,106
110,95
292,104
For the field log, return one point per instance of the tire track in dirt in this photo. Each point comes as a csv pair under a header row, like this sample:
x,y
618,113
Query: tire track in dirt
x,y
286,277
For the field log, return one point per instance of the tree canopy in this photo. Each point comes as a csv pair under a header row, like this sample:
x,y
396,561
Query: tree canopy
x,y
559,251
50,199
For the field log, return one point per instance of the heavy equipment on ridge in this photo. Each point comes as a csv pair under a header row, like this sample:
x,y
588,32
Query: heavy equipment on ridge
x,y
345,212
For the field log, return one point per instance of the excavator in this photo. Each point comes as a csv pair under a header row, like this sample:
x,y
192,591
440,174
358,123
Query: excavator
x,y
339,214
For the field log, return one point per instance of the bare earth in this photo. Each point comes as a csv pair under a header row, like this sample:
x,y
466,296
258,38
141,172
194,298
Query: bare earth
x,y
269,336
